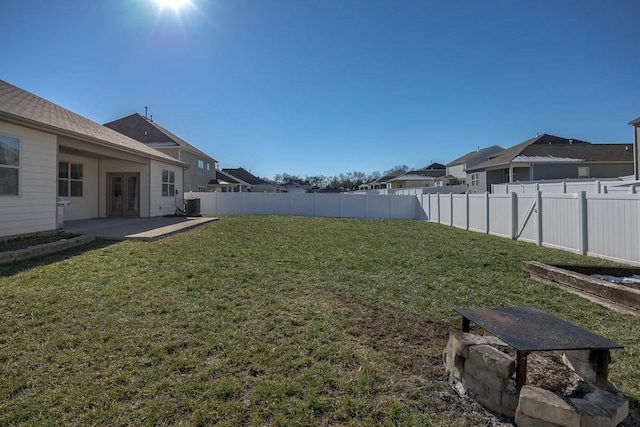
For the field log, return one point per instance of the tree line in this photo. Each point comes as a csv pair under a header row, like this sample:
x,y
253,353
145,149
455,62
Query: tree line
x,y
344,181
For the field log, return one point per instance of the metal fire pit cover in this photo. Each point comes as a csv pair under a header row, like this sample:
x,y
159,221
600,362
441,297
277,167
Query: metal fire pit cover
x,y
529,329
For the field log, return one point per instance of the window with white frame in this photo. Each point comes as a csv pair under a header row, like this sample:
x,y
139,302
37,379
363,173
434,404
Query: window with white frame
x,y
9,165
208,169
70,177
583,172
475,179
168,182
200,167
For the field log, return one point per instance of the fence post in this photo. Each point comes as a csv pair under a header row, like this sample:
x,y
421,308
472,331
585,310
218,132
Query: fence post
x,y
451,209
486,205
514,215
438,199
539,218
564,187
466,208
583,222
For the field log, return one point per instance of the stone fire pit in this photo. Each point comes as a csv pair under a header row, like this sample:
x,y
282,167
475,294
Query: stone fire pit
x,y
483,368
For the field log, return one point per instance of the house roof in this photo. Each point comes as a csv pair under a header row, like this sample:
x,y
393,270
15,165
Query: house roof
x,y
473,154
246,176
635,121
149,132
433,167
389,176
26,109
549,148
223,178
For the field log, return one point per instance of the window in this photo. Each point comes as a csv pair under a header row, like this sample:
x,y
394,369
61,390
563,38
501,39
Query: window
x,y
208,169
69,179
9,165
200,167
475,179
583,172
168,183
202,189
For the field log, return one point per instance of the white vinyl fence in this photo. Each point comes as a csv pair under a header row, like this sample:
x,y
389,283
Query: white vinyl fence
x,y
602,225
568,186
311,204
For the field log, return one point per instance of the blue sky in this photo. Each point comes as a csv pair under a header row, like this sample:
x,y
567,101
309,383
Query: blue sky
x,y
312,87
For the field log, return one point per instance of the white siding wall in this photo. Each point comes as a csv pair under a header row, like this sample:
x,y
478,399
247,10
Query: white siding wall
x,y
160,206
87,205
35,208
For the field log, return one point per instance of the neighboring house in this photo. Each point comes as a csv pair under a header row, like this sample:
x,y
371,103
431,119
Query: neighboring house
x,y
257,184
382,182
459,166
202,167
225,183
551,157
427,176
636,145
297,186
47,151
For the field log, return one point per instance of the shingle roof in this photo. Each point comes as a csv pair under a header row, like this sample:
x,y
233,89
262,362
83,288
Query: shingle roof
x,y
246,176
223,178
472,155
148,132
26,109
553,148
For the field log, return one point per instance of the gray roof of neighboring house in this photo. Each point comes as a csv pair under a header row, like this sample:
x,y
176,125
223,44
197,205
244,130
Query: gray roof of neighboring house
x,y
26,109
246,176
635,121
473,154
149,132
549,148
223,178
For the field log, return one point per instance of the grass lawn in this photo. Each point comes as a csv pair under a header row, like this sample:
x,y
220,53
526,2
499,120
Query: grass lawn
x,y
268,321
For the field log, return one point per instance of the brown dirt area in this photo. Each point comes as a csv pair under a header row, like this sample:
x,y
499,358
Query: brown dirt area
x,y
415,344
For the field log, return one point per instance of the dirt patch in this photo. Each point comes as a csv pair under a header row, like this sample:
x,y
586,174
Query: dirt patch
x,y
414,345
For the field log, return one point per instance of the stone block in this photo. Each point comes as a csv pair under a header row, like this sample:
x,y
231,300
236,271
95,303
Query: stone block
x,y
612,403
492,401
509,400
523,420
493,360
453,363
485,376
591,415
473,385
580,362
547,406
460,341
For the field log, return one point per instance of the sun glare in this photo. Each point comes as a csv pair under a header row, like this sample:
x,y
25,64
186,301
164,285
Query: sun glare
x,y
176,5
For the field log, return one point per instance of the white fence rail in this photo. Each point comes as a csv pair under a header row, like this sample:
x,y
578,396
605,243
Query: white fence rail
x,y
602,225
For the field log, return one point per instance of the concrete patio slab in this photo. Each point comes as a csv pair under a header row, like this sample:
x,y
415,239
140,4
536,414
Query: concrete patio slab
x,y
133,228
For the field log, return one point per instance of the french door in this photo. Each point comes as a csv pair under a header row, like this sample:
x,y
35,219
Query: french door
x,y
123,194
